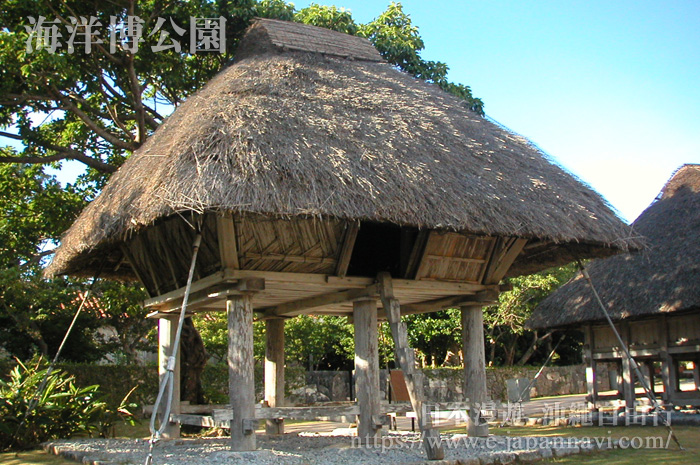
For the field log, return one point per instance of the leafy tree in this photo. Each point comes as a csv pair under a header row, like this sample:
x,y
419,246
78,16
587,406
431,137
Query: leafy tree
x,y
98,108
434,335
506,336
63,410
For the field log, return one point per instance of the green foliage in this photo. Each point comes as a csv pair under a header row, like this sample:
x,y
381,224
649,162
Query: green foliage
x,y
505,332
400,43
434,334
121,310
329,17
63,409
319,342
314,342
29,202
98,109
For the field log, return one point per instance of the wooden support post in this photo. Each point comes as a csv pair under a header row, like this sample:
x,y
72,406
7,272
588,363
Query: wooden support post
x,y
406,362
366,369
628,377
649,365
591,386
475,392
240,364
696,374
628,384
666,361
167,328
274,371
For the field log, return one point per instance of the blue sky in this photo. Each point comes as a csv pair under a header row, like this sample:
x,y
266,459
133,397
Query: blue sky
x,y
610,89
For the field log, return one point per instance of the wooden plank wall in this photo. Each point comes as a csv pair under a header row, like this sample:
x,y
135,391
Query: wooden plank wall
x,y
452,256
301,245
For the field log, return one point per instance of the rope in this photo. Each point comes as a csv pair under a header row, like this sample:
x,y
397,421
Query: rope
x,y
532,381
166,384
633,363
42,386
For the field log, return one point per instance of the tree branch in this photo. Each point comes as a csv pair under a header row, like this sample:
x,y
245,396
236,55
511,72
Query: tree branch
x,y
138,102
63,153
100,131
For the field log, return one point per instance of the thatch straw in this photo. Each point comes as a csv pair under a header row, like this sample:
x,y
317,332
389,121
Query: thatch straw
x,y
289,132
664,278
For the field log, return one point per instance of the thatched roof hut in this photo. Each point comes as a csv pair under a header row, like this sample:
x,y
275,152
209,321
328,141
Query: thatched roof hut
x,y
319,172
653,296
310,123
662,279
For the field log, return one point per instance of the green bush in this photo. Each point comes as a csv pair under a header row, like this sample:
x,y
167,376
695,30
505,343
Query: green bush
x,y
63,410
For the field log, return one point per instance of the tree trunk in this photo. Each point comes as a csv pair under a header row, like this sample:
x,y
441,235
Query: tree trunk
x,y
533,347
194,359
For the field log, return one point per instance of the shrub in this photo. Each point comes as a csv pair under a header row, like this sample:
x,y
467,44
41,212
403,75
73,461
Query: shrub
x,y
61,411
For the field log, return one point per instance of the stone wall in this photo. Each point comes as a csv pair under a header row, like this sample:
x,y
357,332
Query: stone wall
x,y
445,384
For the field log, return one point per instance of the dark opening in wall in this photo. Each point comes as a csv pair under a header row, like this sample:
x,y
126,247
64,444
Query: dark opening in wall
x,y
382,247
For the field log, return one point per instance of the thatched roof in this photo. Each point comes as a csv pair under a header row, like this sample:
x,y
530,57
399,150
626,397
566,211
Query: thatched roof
x,y
664,278
308,121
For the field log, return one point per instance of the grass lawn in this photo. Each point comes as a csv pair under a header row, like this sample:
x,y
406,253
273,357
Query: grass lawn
x,y
32,457
688,436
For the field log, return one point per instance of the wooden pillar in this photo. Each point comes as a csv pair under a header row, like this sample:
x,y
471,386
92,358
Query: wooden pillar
x,y
274,371
167,328
366,369
405,360
649,365
591,366
696,374
475,392
627,384
240,364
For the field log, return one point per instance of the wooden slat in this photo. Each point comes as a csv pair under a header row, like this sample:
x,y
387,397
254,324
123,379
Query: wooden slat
x,y
216,292
198,285
130,258
416,256
505,260
228,248
406,363
302,306
345,252
288,258
294,413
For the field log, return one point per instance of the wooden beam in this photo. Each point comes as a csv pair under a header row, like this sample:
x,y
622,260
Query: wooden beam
x,y
345,252
417,252
590,362
228,242
274,371
303,279
366,369
504,260
628,376
457,259
167,329
406,362
488,255
295,413
130,258
422,262
288,258
240,362
205,421
198,285
474,377
299,307
483,298
212,293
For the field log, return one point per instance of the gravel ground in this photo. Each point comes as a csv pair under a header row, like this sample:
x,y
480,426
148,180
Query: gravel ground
x,y
318,448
